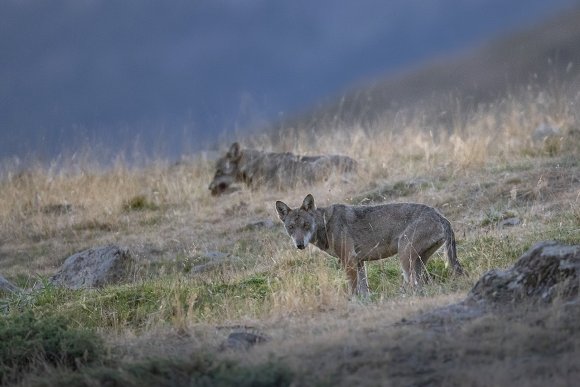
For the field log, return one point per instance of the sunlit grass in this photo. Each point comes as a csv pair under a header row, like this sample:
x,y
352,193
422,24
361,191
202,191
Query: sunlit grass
x,y
479,168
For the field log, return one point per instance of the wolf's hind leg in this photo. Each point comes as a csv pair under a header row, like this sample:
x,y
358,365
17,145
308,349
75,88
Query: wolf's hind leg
x,y
408,258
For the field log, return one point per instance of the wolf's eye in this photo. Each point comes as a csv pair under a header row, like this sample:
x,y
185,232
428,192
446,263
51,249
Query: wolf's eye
x,y
307,225
290,227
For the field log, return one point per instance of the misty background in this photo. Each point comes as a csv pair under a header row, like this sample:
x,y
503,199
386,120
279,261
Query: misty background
x,y
172,78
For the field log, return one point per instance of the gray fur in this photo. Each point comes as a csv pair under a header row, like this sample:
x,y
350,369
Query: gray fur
x,y
356,234
279,170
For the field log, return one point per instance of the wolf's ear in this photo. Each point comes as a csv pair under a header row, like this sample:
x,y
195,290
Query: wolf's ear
x,y
282,209
234,153
308,203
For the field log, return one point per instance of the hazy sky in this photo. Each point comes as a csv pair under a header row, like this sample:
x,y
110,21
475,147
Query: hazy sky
x,y
171,77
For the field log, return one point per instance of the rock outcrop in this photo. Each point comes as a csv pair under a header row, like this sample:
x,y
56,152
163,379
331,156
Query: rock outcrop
x,y
547,272
94,268
7,286
243,340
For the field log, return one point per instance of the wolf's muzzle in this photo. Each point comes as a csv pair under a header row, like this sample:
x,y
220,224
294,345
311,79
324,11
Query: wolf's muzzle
x,y
217,189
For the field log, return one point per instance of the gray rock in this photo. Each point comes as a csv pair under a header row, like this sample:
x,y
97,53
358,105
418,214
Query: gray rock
x,y
7,286
510,222
243,341
94,268
547,270
213,260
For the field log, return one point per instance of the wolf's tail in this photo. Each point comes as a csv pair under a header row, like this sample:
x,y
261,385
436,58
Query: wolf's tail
x,y
451,249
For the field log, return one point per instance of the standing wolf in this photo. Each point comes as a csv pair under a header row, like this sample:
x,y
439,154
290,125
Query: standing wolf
x,y
355,234
256,168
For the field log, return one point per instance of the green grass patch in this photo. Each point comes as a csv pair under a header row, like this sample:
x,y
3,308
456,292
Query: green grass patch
x,y
116,306
489,251
199,370
27,340
493,216
384,276
246,295
148,302
139,203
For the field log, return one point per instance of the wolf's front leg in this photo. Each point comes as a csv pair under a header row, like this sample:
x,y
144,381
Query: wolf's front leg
x,y
349,261
357,277
352,275
362,288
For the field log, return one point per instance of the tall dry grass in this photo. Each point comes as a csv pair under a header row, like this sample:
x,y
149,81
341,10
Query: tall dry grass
x,y
48,212
478,167
417,141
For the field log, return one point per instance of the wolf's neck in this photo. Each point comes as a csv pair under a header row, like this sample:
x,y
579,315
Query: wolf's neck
x,y
322,216
245,171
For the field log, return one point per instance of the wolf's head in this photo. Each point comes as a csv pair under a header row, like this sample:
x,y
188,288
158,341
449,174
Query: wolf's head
x,y
227,168
300,223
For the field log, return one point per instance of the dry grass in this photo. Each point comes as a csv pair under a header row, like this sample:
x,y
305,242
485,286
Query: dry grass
x,y
478,167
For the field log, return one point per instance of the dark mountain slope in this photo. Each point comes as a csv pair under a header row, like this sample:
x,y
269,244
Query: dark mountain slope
x,y
546,55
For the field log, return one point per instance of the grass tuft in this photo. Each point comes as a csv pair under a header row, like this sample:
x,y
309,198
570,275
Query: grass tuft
x,y
139,203
199,370
27,341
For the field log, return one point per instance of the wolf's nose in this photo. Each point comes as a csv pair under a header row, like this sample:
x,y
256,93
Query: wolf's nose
x,y
300,246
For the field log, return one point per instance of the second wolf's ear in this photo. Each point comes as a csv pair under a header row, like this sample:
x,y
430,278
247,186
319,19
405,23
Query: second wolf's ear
x,y
282,209
308,203
234,153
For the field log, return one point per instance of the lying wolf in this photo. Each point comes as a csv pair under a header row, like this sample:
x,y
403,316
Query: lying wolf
x,y
356,234
256,168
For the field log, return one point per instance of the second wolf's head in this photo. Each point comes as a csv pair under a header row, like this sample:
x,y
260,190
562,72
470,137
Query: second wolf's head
x,y
227,168
300,223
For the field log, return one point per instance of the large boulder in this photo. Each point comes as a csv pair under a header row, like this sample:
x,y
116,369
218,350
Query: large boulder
x,y
547,270
94,268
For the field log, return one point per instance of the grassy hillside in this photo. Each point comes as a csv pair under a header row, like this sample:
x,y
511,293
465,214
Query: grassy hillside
x,y
540,57
165,327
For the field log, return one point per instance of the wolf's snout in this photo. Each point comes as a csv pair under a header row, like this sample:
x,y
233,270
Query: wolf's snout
x,y
217,189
